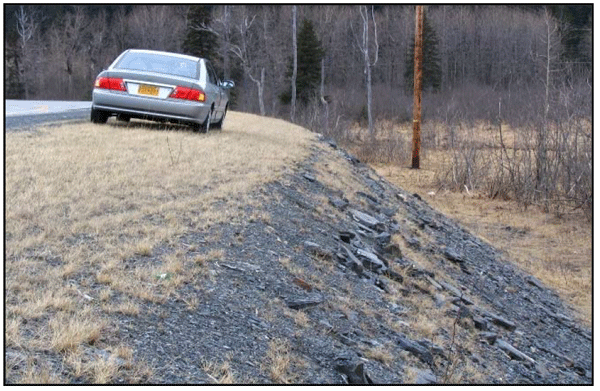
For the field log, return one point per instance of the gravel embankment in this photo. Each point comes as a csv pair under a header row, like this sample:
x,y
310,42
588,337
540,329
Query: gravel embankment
x,y
329,285
331,256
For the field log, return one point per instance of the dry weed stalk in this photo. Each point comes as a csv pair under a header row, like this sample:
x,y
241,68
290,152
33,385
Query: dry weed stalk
x,y
452,361
219,373
175,160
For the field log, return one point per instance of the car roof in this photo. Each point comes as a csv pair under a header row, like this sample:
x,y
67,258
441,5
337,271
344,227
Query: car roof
x,y
166,54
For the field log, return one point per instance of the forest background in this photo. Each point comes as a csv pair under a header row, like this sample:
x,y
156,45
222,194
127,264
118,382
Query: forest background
x,y
522,70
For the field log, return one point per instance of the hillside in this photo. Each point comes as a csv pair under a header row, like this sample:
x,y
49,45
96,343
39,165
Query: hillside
x,y
258,254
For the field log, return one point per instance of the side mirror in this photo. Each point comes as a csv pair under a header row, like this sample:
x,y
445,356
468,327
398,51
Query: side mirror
x,y
227,84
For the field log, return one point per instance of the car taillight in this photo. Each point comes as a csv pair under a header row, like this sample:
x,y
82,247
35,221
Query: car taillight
x,y
188,94
110,83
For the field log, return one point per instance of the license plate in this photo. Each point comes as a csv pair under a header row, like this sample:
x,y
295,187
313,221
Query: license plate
x,y
148,90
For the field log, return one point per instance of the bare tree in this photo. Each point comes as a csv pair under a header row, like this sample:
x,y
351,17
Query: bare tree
x,y
159,27
96,46
27,25
226,41
551,41
246,50
368,63
119,30
295,63
322,96
66,52
252,69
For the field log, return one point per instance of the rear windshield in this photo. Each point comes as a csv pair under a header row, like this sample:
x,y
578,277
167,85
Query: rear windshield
x,y
152,62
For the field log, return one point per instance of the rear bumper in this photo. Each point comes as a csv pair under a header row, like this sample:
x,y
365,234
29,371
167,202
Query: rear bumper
x,y
151,108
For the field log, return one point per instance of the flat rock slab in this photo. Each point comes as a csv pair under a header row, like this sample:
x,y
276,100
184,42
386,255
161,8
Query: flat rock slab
x,y
425,377
513,352
338,202
453,256
309,177
355,373
300,302
452,289
351,261
418,350
364,218
535,282
371,261
500,321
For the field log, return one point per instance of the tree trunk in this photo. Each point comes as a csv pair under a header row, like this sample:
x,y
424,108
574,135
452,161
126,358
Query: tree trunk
x,y
367,60
226,66
261,98
369,99
26,27
542,173
260,85
323,100
24,77
367,68
295,67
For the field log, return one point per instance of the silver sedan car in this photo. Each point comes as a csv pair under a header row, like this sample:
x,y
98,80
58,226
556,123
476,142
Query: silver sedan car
x,y
161,86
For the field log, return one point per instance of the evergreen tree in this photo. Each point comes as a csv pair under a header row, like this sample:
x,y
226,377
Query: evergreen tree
x,y
13,87
198,42
575,24
310,54
432,72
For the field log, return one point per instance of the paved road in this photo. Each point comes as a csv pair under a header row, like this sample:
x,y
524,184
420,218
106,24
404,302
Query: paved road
x,y
23,114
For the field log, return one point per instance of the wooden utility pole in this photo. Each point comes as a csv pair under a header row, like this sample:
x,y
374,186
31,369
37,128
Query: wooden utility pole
x,y
418,71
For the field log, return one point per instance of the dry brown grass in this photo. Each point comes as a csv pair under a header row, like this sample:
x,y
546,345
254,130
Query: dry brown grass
x,y
41,375
68,332
334,171
84,200
300,318
281,364
99,369
379,353
219,373
291,267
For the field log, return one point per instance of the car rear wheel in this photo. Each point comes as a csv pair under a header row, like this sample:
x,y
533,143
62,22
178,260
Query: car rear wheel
x,y
99,116
205,127
219,125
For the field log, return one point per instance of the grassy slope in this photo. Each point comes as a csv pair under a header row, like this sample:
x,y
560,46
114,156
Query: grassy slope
x,y
82,199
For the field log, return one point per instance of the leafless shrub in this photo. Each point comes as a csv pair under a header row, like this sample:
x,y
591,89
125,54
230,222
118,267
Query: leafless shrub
x,y
312,115
470,165
552,170
384,146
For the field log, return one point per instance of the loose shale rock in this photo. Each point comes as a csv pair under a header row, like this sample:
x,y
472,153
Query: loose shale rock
x,y
324,288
